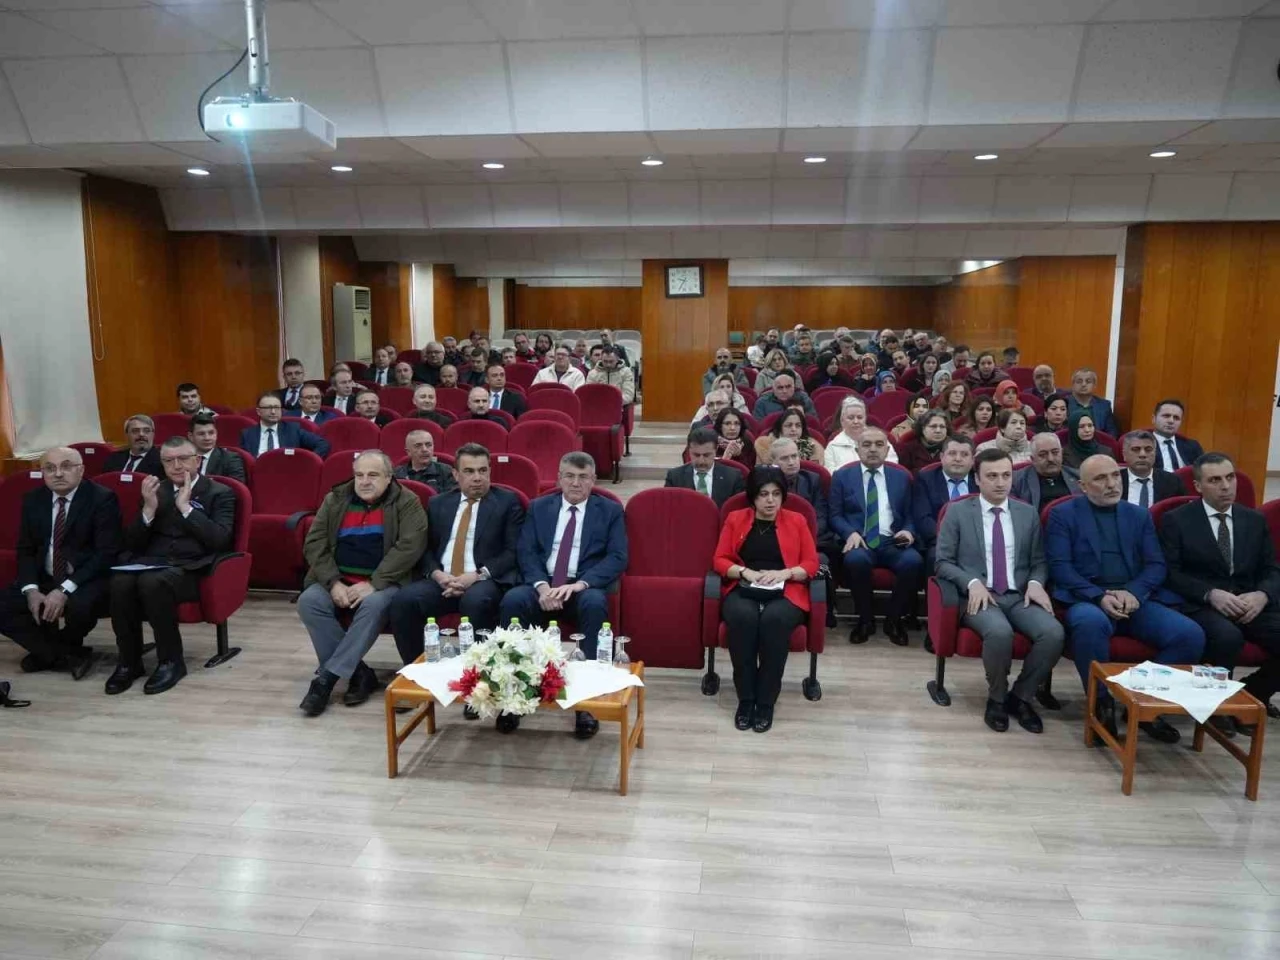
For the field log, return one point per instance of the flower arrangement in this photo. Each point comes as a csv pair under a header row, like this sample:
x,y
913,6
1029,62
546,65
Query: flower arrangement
x,y
512,672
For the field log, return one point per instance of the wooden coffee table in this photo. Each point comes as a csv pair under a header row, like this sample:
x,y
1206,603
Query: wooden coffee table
x,y
1143,708
611,708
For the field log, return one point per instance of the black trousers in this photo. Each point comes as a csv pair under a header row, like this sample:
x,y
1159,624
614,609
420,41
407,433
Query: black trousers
x,y
412,605
153,596
759,638
44,640
1224,639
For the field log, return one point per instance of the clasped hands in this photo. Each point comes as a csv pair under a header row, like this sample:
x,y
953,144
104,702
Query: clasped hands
x,y
348,595
554,598
1240,607
455,586
46,607
765,578
980,597
856,541
1118,604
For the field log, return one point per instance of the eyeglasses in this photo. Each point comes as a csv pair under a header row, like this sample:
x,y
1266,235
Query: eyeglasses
x,y
185,458
267,408
61,467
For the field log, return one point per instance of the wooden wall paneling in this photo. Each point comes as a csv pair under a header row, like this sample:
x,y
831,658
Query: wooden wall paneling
x,y
471,308
1064,313
575,308
388,284
825,308
339,263
680,338
443,287
980,309
1131,298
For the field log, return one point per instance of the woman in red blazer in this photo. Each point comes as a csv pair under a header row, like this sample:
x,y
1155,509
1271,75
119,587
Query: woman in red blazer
x,y
761,547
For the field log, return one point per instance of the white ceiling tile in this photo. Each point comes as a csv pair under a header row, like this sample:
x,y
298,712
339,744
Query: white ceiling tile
x,y
186,209
1253,84
1131,133
972,13
890,244
1155,71
791,244
124,154
165,89
31,155
1032,199
940,243
67,4
370,150
326,208
846,244
1109,199
480,149
695,243
593,204
138,30
341,84
80,100
1234,131
511,246
714,82
465,246
557,19
648,245
991,244
577,85
603,246
292,25
1255,196
1004,74
270,208
460,206
1043,243
733,202
863,14
882,200
957,199
1245,152
808,201
557,246
703,142
232,155
409,21
526,205
853,140
1086,242
1176,9
391,207
444,89
12,130
635,144
736,244
663,203
24,37
858,78
982,137
682,17
1188,197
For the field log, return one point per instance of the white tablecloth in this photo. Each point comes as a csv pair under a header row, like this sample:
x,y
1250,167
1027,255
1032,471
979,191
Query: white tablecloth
x,y
583,680
1200,702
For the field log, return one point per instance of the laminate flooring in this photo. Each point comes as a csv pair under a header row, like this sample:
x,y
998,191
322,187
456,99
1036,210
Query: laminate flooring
x,y
215,822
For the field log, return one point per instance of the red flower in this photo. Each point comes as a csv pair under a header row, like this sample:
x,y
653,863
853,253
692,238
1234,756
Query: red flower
x,y
552,683
466,683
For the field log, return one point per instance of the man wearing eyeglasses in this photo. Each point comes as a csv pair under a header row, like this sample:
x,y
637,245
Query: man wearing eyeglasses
x,y
273,433
186,520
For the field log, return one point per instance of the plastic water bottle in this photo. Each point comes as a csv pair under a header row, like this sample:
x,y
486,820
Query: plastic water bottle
x,y
553,631
466,635
431,641
604,645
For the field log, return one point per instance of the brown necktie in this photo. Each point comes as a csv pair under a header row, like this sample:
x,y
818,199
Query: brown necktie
x,y
459,558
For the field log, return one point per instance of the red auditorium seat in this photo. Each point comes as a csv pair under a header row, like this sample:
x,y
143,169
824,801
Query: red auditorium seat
x,y
827,402
523,497
1034,402
1024,377
491,436
548,385
424,492
338,468
12,489
350,433
671,541
521,375
452,400
601,427
230,426
172,425
810,636
1246,493
391,439
556,396
286,486
822,472
94,456
557,416
412,357
750,373
303,424
888,404
544,443
507,418
358,369
749,396
516,472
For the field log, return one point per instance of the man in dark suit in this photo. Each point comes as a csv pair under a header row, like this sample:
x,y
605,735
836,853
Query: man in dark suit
x,y
215,461
141,455
478,407
1223,565
871,514
500,398
295,378
991,553
185,522
273,434
424,406
342,392
1046,480
1082,397
369,407
470,557
1174,451
572,549
702,473
933,489
473,372
1043,383
1141,483
1106,567
428,371
68,538
311,409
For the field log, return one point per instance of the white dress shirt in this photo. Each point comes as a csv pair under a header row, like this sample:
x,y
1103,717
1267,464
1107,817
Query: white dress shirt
x,y
575,552
67,586
962,486
380,375
469,551
292,397
495,400
1168,450
1231,527
262,439
1010,548
1135,489
343,404
882,492
571,378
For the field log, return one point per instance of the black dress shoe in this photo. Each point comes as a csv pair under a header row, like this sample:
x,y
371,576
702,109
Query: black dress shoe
x,y
1047,700
746,714
80,662
122,678
33,664
862,631
911,621
1224,725
362,685
507,723
1160,729
469,713
1105,711
585,726
1027,718
317,699
764,718
896,632
996,717
166,676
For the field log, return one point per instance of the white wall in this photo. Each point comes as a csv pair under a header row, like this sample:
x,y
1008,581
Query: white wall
x,y
44,311
422,304
300,295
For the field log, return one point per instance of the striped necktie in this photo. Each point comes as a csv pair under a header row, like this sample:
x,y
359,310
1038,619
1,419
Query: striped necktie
x,y
871,530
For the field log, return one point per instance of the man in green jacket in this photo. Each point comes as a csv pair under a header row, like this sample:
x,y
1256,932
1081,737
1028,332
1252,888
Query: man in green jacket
x,y
368,537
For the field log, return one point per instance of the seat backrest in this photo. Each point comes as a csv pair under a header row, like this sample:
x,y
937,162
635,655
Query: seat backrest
x,y
128,490
521,374
1033,401
548,385
412,356
750,373
452,399
422,491
1246,493
12,489
170,425
888,404
1271,511
544,443
601,404
396,399
94,456
515,471
303,424
982,436
339,467
1044,511
358,369
490,435
230,426
244,509
796,504
508,418
286,481
561,398
556,416
392,437
350,433
827,402
1022,376
1158,510
823,474
523,497
671,532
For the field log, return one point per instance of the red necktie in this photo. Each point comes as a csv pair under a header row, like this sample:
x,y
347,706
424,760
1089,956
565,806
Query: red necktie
x,y
561,575
59,531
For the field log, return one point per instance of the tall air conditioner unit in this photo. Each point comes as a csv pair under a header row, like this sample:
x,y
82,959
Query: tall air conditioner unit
x,y
352,323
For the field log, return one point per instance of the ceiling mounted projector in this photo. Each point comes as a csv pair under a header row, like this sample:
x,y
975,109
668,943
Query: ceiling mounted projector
x,y
257,121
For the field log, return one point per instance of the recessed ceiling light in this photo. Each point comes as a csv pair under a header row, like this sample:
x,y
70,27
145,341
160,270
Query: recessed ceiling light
x,y
815,159
341,168
651,162
494,166
1163,154
197,171
987,156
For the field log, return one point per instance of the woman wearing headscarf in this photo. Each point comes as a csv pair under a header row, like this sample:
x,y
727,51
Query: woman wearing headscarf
x,y
867,372
828,373
886,382
941,381
1082,440
1009,397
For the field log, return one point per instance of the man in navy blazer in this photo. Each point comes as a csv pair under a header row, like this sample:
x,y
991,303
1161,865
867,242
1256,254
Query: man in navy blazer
x,y
313,407
272,434
573,547
1083,382
1172,450
875,527
934,488
1106,566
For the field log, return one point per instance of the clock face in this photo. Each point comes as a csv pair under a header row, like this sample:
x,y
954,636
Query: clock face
x,y
684,281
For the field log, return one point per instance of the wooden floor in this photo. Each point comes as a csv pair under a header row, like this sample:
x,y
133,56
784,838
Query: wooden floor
x,y
216,822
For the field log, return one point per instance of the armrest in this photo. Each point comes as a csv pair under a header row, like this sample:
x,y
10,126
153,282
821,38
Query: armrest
x,y
711,586
224,588
291,523
944,617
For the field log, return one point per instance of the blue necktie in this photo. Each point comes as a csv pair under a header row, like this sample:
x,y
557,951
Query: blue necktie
x,y
955,489
871,531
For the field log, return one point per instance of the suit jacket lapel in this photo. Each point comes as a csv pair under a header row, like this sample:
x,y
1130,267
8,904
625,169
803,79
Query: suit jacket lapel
x,y
975,512
1209,533
1089,528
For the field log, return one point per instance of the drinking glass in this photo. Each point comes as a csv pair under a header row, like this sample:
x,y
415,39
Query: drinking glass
x,y
620,658
576,655
1200,677
1161,677
1139,677
1219,677
448,646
